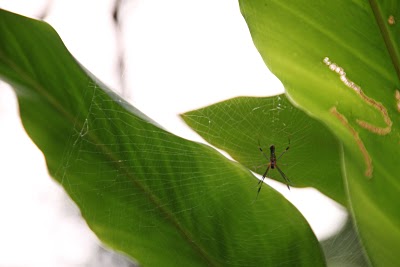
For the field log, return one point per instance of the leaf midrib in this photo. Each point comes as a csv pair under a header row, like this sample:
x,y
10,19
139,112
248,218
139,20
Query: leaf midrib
x,y
386,36
112,158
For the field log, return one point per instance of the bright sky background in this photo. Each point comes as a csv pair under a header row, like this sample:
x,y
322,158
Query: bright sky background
x,y
180,55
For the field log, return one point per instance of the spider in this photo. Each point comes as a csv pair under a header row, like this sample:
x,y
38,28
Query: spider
x,y
272,164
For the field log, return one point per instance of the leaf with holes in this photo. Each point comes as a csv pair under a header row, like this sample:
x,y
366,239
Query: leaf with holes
x,y
156,197
340,61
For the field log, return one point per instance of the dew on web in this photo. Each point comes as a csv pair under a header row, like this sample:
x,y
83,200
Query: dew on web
x,y
84,130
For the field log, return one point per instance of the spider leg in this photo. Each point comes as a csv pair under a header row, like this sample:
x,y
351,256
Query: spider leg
x,y
259,147
284,151
263,165
265,174
284,177
260,182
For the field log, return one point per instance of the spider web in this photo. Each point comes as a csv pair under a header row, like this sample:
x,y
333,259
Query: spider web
x,y
244,123
150,96
298,197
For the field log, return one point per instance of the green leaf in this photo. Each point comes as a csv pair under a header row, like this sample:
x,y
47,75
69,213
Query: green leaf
x,y
344,248
238,125
358,101
156,197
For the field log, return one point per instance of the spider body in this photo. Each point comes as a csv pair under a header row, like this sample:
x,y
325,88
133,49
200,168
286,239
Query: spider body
x,y
272,158
272,164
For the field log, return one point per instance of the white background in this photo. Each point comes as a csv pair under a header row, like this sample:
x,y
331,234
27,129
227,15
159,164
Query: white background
x,y
179,55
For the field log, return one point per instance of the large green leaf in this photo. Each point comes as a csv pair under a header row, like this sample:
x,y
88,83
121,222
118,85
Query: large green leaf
x,y
238,125
158,198
357,97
